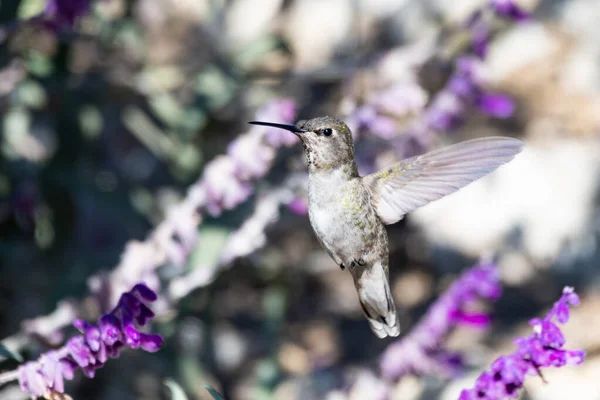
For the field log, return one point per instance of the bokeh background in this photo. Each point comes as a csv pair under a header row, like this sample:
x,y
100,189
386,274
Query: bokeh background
x,y
106,124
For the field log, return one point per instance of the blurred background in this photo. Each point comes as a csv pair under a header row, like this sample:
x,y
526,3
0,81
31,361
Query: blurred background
x,y
108,119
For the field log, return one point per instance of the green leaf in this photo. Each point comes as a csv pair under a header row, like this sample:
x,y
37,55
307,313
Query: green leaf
x,y
217,87
30,8
177,392
32,94
90,121
38,64
213,392
6,352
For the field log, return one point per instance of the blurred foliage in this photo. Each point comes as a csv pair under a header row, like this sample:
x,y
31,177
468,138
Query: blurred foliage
x,y
106,125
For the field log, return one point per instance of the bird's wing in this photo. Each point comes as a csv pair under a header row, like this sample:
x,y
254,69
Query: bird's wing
x,y
416,181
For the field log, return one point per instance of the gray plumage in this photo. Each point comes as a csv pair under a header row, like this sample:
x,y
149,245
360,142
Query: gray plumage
x,y
348,212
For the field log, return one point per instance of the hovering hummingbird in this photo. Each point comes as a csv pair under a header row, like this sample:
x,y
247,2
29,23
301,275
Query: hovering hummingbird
x,y
348,212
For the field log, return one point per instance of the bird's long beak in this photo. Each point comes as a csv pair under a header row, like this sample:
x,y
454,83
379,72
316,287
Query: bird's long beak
x,y
291,128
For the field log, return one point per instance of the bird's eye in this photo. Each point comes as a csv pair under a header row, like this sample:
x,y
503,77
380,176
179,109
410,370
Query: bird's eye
x,y
327,131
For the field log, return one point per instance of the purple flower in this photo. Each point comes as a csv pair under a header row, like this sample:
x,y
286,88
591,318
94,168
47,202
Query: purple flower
x,y
419,351
496,105
480,34
94,346
226,179
508,9
541,349
66,12
450,107
380,115
367,117
298,206
46,376
110,329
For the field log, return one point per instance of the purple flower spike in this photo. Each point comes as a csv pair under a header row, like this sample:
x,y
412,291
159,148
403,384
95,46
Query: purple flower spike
x,y
540,350
90,350
419,351
226,179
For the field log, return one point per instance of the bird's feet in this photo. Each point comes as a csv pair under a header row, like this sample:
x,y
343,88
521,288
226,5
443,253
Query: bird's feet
x,y
360,262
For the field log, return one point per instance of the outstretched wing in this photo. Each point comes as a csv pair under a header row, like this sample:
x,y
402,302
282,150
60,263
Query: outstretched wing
x,y
414,182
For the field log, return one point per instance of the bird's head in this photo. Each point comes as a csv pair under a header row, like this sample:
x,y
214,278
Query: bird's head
x,y
327,142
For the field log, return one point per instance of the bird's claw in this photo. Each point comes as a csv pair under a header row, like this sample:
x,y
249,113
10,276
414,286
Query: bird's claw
x,y
360,262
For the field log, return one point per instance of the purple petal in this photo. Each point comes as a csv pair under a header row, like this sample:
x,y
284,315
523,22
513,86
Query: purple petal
x,y
68,368
298,206
463,87
145,292
132,337
144,315
574,357
508,9
383,127
480,37
110,329
92,337
496,105
66,12
114,350
479,321
549,334
30,380
561,311
101,354
80,325
89,371
129,303
570,296
150,343
79,351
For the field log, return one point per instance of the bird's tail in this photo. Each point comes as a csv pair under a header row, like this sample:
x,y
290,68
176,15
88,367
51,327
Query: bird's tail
x,y
376,299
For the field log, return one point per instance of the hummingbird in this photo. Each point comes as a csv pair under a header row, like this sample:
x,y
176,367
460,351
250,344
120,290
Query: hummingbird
x,y
348,212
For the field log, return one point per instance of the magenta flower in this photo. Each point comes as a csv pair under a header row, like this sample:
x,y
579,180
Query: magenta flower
x,y
96,344
543,348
